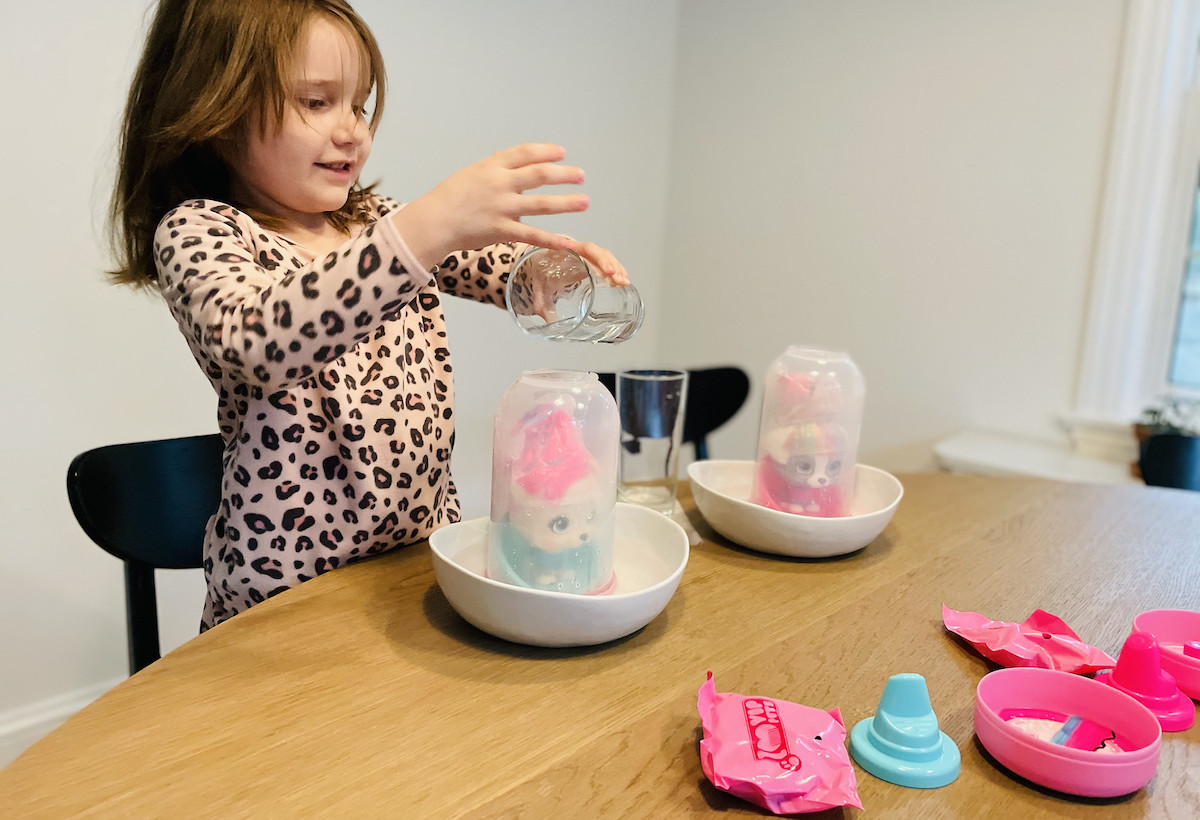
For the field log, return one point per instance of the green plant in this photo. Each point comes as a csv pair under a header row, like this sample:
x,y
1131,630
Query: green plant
x,y
1171,414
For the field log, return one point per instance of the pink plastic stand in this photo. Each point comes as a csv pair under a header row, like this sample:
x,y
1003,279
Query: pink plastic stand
x,y
1174,629
1140,675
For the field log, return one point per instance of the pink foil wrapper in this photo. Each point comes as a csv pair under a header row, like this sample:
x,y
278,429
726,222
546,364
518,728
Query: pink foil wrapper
x,y
1041,640
784,757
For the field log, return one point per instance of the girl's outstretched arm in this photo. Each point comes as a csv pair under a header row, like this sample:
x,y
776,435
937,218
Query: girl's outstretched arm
x,y
252,311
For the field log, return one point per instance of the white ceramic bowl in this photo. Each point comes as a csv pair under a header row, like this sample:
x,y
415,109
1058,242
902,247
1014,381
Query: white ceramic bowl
x,y
722,493
649,554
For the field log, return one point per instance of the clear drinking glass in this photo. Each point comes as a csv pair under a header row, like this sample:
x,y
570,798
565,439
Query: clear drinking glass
x,y
555,294
651,404
554,476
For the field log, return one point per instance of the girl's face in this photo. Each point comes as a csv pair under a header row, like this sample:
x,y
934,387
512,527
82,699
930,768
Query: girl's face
x,y
306,167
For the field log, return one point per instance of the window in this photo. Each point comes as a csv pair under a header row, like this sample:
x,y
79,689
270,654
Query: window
x,y
1131,350
1185,353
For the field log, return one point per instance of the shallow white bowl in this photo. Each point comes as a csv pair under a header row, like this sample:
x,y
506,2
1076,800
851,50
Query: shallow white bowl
x,y
722,493
649,554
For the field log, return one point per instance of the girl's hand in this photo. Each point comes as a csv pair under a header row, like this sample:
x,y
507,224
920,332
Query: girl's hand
x,y
484,203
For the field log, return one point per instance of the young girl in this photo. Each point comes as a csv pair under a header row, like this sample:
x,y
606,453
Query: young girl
x,y
311,304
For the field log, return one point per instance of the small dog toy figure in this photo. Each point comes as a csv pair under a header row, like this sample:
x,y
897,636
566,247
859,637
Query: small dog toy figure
x,y
800,470
550,539
808,434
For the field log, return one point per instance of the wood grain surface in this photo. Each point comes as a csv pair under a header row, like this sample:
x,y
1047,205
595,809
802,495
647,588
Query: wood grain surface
x,y
363,694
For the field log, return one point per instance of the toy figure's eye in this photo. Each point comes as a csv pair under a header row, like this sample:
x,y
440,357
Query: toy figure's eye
x,y
805,466
560,524
834,468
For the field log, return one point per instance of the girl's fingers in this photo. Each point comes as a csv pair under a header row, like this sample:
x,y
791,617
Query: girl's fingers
x,y
544,204
542,305
544,173
604,261
542,239
617,273
529,153
528,166
599,258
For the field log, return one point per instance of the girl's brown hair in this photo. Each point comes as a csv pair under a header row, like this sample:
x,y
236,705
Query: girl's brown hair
x,y
208,69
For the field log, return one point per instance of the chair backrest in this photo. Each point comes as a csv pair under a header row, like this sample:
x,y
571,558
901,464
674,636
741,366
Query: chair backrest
x,y
148,503
714,396
1171,460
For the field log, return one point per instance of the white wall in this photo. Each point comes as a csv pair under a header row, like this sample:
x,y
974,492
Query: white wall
x,y
84,364
87,364
915,182
594,77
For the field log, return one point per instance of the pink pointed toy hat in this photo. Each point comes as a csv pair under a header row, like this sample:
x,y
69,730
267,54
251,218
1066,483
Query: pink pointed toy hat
x,y
1140,675
553,458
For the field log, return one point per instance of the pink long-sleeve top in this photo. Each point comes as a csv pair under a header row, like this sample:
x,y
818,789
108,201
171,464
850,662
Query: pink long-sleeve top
x,y
334,391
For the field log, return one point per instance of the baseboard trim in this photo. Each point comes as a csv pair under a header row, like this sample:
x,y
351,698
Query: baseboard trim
x,y
23,726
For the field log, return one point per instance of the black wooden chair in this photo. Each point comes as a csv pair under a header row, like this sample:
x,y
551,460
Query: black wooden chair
x,y
714,395
147,503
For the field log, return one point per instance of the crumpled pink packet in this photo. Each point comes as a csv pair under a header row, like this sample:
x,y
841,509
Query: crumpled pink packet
x,y
1042,640
782,756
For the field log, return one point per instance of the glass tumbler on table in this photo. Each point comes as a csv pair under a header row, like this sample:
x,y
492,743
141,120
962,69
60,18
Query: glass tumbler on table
x,y
651,405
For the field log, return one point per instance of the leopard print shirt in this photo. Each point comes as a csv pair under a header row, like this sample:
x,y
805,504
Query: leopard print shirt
x,y
334,391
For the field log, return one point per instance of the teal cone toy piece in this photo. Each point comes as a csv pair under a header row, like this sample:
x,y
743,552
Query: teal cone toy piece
x,y
901,743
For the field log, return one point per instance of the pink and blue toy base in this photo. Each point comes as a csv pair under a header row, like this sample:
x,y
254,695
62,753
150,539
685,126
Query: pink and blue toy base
x,y
1178,634
901,743
1067,732
516,561
785,757
1139,673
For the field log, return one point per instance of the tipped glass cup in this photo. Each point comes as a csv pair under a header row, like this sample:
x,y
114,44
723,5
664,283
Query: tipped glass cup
x,y
650,404
555,294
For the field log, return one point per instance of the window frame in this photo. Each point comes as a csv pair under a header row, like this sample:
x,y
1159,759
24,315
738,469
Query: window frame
x,y
1146,211
1191,269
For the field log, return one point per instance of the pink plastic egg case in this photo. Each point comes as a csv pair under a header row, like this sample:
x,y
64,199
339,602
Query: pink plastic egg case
x,y
1175,629
1067,732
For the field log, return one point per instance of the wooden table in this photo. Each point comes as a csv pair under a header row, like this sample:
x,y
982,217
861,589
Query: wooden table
x,y
362,694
